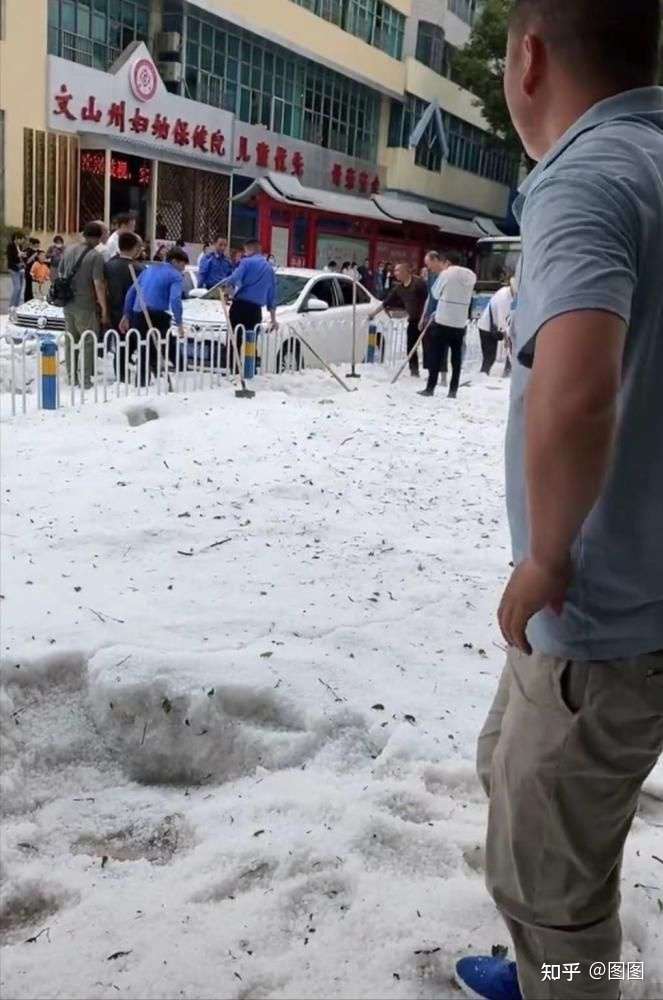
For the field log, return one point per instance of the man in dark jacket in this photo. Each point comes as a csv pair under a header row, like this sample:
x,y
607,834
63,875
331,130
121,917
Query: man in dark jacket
x,y
118,282
410,294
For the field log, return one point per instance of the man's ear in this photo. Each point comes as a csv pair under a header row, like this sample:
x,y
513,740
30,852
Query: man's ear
x,y
534,59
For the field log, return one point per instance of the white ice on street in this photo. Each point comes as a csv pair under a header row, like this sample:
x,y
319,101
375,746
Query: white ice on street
x,y
247,649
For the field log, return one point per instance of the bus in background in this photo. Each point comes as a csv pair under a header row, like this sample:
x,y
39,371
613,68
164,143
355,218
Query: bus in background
x,y
495,255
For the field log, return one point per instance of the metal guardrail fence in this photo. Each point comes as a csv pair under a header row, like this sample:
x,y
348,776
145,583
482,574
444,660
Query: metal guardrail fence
x,y
100,367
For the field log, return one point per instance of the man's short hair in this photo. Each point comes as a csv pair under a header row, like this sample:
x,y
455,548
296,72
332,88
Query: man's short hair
x,y
126,242
124,218
220,236
615,41
176,253
93,231
254,244
452,257
433,255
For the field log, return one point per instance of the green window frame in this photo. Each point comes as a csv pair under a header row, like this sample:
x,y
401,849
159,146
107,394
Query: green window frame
x,y
263,83
374,21
95,32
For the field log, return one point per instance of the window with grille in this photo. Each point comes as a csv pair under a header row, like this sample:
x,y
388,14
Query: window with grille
x,y
433,50
95,32
430,46
265,84
192,205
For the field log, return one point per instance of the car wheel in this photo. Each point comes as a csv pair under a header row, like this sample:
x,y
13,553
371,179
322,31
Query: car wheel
x,y
289,357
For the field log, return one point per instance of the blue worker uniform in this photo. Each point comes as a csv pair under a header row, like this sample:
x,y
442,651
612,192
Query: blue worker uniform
x,y
254,284
161,292
213,268
160,288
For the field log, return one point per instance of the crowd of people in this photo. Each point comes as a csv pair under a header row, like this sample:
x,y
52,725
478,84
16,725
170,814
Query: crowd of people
x,y
435,298
102,283
437,302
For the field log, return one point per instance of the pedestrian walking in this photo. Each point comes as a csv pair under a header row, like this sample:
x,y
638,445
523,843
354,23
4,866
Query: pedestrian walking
x,y
82,271
411,294
452,292
494,323
16,268
117,273
159,292
215,266
40,273
253,284
577,724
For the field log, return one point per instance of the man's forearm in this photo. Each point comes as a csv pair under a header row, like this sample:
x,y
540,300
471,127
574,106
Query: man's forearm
x,y
568,450
100,291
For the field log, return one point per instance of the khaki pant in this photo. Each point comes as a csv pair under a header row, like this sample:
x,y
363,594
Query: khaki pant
x,y
563,755
77,322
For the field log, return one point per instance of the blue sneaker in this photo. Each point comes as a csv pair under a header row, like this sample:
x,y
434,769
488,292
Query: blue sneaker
x,y
486,978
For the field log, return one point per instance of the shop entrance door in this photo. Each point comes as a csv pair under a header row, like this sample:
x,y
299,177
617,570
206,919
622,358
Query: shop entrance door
x,y
131,179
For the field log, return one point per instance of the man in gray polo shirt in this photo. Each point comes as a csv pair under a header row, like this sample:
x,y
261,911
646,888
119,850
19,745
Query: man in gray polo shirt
x,y
577,724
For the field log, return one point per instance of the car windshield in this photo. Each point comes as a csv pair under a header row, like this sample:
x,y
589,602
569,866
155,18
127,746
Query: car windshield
x,y
288,289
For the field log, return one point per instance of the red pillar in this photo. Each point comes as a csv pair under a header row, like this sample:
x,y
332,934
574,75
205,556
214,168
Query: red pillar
x,y
312,238
264,222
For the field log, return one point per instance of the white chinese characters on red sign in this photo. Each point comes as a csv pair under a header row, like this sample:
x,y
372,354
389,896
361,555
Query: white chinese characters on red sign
x,y
143,79
116,116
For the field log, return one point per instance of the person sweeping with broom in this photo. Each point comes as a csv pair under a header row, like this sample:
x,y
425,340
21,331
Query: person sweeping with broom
x,y
154,302
253,284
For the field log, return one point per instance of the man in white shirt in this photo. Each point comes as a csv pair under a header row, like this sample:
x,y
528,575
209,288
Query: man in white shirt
x,y
453,292
494,323
124,223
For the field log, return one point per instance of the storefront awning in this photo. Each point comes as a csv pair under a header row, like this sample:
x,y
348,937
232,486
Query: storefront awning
x,y
402,210
289,190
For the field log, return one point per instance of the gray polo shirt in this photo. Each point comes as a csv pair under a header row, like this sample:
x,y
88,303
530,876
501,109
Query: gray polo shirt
x,y
90,270
592,224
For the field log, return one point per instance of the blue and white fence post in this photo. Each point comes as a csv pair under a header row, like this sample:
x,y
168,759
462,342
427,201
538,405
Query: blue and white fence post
x,y
49,374
372,343
249,354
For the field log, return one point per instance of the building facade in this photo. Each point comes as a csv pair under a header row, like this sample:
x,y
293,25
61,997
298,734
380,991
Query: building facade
x,y
290,120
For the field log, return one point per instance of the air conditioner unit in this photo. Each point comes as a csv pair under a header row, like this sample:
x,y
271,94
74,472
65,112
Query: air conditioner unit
x,y
168,41
171,72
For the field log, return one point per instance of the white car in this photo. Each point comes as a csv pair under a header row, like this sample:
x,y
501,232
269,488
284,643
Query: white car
x,y
317,303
